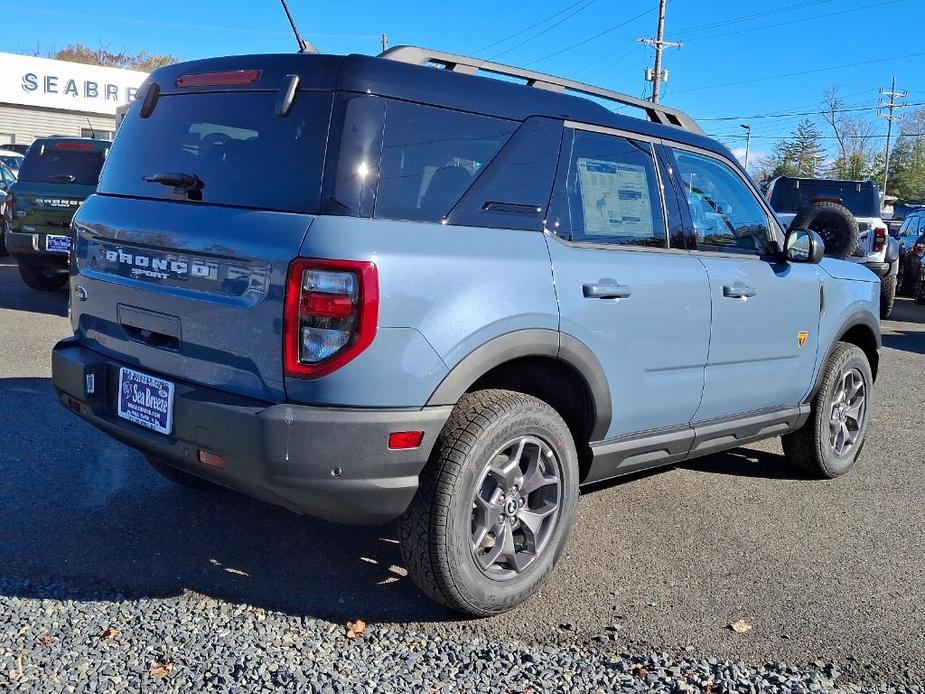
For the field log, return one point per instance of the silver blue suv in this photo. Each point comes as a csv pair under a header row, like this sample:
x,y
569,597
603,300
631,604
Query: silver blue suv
x,y
378,288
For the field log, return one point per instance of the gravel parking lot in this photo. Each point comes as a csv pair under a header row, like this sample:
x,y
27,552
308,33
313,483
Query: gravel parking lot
x,y
111,579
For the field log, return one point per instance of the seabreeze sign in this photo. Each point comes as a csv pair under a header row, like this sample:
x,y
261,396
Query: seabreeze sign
x,y
30,81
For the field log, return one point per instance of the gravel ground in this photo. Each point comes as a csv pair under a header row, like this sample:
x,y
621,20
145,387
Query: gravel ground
x,y
107,572
60,642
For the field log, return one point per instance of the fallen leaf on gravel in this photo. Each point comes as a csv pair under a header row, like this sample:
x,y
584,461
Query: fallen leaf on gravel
x,y
356,628
260,614
109,633
161,670
47,640
740,627
640,672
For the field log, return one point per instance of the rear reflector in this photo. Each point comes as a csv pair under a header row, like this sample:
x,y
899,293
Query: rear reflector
x,y
399,440
219,79
75,146
211,459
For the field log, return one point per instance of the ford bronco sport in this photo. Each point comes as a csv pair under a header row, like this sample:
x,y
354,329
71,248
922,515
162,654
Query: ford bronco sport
x,y
377,288
56,177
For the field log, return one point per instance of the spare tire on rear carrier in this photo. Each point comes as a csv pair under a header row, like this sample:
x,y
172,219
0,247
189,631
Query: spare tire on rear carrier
x,y
834,223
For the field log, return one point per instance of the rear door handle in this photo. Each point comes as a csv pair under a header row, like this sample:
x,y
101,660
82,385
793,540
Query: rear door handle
x,y
606,290
739,291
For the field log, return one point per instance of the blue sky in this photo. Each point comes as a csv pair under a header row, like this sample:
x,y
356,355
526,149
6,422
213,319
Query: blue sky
x,y
738,58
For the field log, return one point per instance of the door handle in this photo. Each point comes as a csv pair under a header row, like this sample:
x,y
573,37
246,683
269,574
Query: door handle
x,y
739,291
606,290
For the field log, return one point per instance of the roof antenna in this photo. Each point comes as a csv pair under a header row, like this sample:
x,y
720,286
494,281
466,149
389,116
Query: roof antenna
x,y
92,131
304,46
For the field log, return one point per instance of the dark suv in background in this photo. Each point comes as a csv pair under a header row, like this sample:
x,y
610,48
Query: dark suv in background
x,y
58,174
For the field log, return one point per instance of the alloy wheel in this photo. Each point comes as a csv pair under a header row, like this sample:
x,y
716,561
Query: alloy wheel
x,y
849,407
515,507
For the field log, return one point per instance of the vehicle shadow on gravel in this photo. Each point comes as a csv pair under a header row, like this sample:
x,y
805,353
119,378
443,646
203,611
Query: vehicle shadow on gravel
x,y
85,518
16,296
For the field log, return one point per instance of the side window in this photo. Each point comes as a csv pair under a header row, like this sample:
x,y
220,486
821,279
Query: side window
x,y
430,157
726,215
610,193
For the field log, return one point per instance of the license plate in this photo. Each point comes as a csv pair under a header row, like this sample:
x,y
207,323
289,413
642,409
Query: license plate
x,y
58,244
145,400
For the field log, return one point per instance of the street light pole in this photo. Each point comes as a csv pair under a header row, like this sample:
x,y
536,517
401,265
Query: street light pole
x,y
748,140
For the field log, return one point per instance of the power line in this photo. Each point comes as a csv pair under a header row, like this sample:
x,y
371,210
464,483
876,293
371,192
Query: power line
x,y
801,72
718,136
793,114
827,15
591,38
547,29
529,28
757,15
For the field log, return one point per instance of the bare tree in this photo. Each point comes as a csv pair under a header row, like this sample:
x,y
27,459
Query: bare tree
x,y
854,136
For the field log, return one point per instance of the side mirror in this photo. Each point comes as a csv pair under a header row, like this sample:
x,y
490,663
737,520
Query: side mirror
x,y
803,246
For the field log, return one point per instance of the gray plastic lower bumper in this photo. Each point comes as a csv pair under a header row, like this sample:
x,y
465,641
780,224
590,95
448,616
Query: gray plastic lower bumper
x,y
333,463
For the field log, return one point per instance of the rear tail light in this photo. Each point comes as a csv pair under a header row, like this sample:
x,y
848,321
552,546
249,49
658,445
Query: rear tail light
x,y
879,238
8,212
74,146
332,311
918,248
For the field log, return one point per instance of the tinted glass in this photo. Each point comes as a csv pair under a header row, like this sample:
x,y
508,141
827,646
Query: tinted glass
x,y
11,161
611,192
53,163
241,151
431,156
725,212
513,191
794,195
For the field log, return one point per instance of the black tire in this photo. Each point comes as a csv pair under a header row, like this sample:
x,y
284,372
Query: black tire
x,y
437,530
41,277
811,448
887,296
903,281
918,291
177,476
3,252
834,223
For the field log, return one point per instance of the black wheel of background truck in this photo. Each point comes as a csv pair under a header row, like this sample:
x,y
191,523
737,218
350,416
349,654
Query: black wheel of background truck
x,y
831,440
3,252
887,296
903,285
178,477
495,504
834,223
41,277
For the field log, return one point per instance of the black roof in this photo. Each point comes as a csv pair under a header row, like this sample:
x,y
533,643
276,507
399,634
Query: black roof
x,y
426,85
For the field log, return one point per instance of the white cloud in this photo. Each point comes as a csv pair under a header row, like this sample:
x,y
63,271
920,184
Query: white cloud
x,y
754,156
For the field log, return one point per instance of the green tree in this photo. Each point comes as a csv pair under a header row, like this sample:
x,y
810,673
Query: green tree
x,y
907,159
143,60
801,154
856,154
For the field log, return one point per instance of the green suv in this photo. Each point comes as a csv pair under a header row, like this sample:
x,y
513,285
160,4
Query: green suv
x,y
58,174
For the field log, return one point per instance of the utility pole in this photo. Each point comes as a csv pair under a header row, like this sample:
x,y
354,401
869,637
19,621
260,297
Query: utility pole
x,y
658,75
892,95
385,42
748,141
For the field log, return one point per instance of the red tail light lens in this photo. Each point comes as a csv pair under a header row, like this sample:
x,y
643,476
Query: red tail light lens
x,y
918,248
879,238
8,212
332,312
74,146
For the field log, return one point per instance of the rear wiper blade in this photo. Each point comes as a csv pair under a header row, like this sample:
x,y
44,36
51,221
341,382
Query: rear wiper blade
x,y
63,178
176,180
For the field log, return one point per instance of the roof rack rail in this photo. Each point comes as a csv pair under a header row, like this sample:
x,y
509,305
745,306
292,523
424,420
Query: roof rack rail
x,y
656,113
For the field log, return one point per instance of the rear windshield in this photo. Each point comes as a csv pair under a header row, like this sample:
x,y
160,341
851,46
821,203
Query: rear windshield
x,y
59,163
862,199
242,153
11,161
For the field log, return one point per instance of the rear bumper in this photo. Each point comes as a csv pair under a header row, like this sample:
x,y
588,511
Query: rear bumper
x,y
882,270
32,246
281,453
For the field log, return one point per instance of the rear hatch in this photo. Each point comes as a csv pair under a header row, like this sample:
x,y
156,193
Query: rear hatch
x,y
205,200
56,177
862,198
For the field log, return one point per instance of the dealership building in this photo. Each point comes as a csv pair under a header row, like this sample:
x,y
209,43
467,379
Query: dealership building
x,y
41,97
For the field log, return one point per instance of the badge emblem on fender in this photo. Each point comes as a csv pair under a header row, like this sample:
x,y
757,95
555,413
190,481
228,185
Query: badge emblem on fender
x,y
801,338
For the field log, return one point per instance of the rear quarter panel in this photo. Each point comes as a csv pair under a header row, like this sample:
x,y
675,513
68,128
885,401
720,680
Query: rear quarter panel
x,y
443,291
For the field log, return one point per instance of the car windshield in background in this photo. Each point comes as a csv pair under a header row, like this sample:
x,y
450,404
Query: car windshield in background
x,y
63,163
11,161
215,147
861,198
